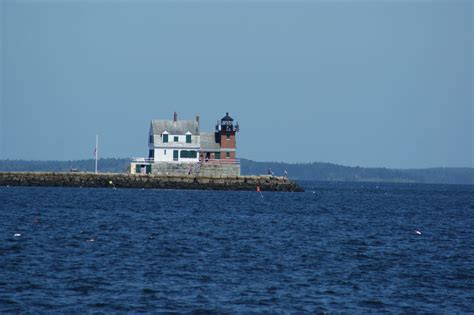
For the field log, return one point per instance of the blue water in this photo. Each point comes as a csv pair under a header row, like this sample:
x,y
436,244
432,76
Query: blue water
x,y
337,248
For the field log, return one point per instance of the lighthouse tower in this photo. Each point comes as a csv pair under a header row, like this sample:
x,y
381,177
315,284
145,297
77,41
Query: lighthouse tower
x,y
225,136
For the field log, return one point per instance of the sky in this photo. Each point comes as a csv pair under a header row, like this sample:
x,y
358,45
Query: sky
x,y
359,83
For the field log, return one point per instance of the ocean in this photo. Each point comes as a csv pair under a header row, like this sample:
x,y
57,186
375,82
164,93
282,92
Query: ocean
x,y
338,247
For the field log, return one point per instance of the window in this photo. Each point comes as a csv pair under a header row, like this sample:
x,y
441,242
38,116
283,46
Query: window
x,y
176,139
165,151
227,136
217,155
188,138
188,154
151,138
227,155
165,138
151,154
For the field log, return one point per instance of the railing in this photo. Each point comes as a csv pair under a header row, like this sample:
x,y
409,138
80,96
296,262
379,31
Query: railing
x,y
222,161
143,160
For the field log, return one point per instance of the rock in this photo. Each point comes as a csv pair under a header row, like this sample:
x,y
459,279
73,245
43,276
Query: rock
x,y
266,183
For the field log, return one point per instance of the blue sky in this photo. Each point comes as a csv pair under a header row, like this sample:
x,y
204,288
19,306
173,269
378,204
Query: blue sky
x,y
368,83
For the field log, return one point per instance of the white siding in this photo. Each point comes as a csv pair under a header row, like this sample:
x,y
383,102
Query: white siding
x,y
159,147
158,141
160,155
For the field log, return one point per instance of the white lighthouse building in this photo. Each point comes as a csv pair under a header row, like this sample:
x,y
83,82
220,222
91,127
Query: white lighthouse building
x,y
179,147
174,140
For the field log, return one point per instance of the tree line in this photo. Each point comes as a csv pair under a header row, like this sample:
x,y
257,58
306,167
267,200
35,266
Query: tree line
x,y
319,171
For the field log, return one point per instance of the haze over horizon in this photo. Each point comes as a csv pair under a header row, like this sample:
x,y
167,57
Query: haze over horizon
x,y
372,84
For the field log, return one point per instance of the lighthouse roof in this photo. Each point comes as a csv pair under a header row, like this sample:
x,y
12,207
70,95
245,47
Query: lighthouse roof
x,y
227,118
180,127
208,142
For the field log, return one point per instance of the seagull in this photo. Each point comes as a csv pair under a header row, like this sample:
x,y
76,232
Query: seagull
x,y
418,232
17,234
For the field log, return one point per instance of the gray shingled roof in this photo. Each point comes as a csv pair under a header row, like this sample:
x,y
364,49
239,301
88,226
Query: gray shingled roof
x,y
179,127
208,142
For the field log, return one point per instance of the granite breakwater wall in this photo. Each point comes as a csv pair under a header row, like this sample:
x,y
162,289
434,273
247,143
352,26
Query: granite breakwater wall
x,y
120,180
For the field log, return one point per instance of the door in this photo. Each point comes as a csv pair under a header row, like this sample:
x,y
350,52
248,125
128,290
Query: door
x,y
175,155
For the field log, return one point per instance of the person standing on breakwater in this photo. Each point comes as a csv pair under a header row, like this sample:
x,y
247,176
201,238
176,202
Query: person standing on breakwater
x,y
270,172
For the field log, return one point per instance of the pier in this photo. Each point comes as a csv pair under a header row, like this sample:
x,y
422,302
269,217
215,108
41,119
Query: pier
x,y
148,181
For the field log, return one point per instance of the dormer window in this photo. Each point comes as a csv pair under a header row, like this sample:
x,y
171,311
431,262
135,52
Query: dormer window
x,y
151,139
165,138
188,138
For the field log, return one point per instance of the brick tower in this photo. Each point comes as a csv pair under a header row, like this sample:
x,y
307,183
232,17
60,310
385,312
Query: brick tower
x,y
225,135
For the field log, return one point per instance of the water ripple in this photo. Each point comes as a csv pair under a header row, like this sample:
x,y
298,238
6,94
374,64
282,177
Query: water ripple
x,y
344,248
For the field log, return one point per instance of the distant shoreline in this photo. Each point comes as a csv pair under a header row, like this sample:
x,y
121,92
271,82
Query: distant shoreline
x,y
317,171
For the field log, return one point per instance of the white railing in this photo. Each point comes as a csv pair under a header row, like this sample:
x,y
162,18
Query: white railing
x,y
143,160
222,161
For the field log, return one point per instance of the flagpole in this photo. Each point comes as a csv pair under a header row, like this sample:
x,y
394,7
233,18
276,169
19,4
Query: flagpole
x,y
96,151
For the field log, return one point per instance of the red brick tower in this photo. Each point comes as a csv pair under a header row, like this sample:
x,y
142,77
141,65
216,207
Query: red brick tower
x,y
225,135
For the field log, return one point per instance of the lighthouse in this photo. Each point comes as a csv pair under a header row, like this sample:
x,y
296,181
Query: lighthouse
x,y
225,136
177,147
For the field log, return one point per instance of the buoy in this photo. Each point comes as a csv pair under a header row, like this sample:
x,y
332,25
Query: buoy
x,y
418,232
17,234
259,191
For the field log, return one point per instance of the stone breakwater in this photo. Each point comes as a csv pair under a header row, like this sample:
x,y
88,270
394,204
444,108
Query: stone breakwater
x,y
118,180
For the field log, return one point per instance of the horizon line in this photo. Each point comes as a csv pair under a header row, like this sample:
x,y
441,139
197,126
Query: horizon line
x,y
255,161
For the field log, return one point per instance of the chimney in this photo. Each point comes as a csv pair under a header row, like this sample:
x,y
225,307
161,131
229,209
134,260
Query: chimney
x,y
175,116
197,120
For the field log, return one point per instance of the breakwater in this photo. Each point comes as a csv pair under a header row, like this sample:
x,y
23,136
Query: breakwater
x,y
120,180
